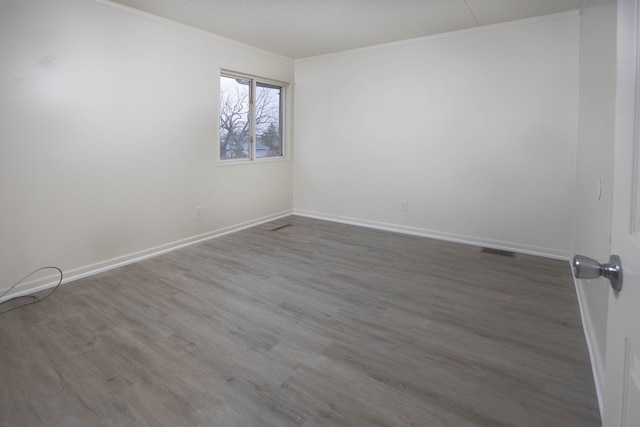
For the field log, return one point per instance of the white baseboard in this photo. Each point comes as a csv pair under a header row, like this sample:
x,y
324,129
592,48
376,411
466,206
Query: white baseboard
x,y
468,240
90,270
597,367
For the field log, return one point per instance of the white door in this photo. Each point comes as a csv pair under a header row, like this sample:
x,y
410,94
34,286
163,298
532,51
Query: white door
x,y
622,363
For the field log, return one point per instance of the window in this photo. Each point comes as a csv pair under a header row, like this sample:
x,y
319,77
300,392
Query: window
x,y
251,118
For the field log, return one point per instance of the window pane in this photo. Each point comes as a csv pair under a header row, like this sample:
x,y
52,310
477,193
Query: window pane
x,y
234,118
268,120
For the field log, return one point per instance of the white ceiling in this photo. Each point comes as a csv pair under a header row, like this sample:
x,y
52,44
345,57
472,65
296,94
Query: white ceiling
x,y
302,28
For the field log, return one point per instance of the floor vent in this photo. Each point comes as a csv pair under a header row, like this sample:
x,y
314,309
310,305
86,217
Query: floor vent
x,y
499,252
280,227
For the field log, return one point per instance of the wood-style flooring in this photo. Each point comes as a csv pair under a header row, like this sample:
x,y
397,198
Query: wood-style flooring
x,y
302,322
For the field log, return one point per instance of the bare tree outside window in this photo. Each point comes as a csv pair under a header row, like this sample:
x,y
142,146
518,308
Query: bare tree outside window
x,y
234,118
268,123
236,129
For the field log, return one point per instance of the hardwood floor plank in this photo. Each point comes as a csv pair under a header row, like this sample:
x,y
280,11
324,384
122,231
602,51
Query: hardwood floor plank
x,y
304,323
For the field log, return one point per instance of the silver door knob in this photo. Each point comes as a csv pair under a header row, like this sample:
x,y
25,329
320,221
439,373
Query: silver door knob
x,y
588,268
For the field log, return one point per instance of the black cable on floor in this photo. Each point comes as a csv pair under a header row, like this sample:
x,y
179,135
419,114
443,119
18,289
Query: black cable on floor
x,y
31,296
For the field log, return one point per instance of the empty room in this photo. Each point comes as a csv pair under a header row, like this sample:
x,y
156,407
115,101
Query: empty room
x,y
319,213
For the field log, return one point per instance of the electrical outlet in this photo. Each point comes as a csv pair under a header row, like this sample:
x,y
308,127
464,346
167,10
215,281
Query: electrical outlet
x,y
198,214
404,206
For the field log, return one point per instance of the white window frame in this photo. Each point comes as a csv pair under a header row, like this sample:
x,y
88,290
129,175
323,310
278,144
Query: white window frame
x,y
284,115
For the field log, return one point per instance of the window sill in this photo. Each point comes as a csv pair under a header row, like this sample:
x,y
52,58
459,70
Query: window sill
x,y
225,163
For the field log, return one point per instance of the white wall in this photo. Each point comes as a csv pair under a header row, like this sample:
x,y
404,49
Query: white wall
x,y
476,129
108,127
595,163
